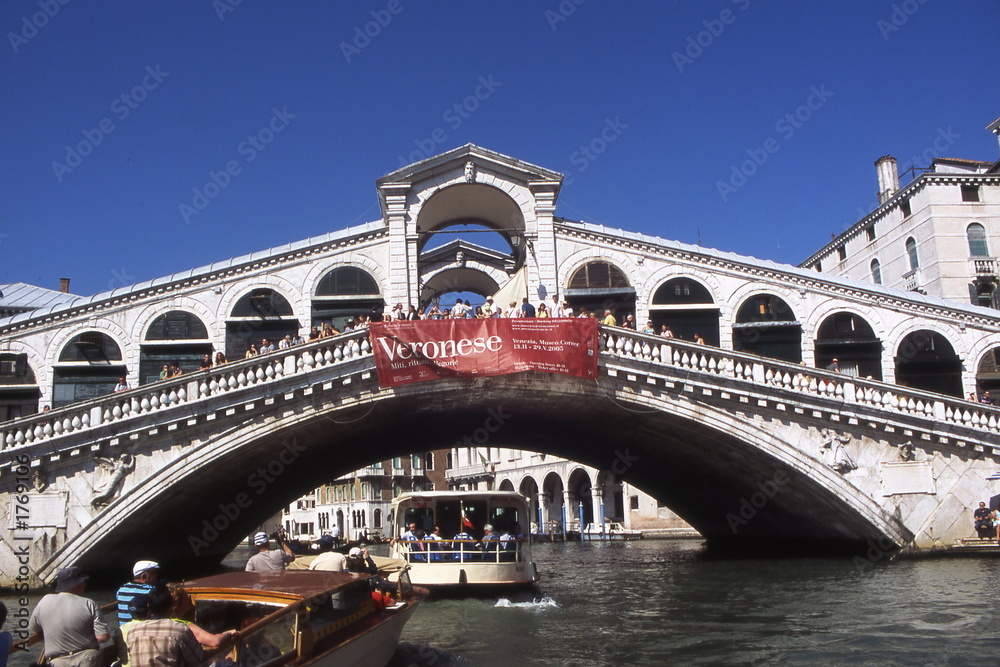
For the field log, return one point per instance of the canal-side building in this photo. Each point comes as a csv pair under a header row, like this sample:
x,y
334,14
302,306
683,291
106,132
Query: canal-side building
x,y
937,234
359,503
562,494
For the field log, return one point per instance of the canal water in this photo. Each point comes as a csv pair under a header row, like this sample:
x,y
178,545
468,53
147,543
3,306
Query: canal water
x,y
662,602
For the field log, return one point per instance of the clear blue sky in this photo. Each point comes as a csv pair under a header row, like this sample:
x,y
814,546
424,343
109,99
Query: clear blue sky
x,y
684,89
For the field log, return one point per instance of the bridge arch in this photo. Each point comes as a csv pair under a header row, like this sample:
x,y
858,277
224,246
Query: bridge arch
x,y
920,362
689,305
338,306
73,381
700,461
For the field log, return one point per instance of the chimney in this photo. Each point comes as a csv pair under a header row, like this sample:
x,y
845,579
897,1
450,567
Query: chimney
x,y
888,177
64,285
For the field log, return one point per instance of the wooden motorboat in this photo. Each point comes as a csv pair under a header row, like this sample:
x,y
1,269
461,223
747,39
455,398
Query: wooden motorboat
x,y
303,617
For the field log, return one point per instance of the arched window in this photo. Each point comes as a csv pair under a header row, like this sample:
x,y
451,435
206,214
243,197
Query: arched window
x,y
976,234
766,325
89,366
599,286
876,272
176,337
376,518
259,314
911,252
344,293
686,307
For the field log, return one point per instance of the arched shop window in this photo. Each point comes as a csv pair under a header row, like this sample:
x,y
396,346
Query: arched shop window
x,y
176,337
600,286
18,388
259,314
849,339
89,366
687,307
766,325
926,360
344,293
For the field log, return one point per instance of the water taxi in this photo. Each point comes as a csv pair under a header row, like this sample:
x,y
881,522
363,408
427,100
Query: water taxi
x,y
611,531
303,617
462,552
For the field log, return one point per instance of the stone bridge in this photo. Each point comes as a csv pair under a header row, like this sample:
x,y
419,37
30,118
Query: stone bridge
x,y
750,451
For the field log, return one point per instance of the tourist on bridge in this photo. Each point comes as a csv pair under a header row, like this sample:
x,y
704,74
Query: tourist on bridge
x,y
983,518
527,310
268,559
145,576
609,319
122,385
986,398
72,626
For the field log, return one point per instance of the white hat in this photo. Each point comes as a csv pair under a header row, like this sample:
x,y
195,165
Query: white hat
x,y
488,527
260,539
144,566
354,552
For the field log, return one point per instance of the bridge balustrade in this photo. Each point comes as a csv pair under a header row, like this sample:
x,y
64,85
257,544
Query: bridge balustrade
x,y
283,365
174,393
762,371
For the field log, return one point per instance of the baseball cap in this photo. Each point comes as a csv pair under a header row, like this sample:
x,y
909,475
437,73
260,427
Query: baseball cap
x,y
260,539
354,552
144,566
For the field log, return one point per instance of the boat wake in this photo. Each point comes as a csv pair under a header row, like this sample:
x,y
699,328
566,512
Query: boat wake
x,y
538,604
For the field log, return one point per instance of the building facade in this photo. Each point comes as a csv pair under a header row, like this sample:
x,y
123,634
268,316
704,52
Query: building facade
x,y
939,234
358,504
563,495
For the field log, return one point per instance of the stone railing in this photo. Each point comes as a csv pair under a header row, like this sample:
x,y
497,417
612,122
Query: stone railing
x,y
175,393
766,372
284,365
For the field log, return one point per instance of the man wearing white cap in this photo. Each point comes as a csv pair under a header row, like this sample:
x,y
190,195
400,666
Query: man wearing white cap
x,y
145,575
267,559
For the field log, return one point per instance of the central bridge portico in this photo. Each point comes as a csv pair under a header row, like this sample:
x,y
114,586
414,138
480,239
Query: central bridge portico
x,y
743,437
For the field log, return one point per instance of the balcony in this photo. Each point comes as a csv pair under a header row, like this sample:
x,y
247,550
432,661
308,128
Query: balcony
x,y
911,281
371,471
984,267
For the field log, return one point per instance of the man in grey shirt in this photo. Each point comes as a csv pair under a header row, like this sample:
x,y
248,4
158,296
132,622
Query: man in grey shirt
x,y
265,558
71,625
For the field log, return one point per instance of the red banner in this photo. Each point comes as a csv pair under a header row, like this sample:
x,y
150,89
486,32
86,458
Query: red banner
x,y
414,351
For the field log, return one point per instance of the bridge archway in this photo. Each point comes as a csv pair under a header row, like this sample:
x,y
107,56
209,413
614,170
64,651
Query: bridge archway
x,y
700,462
687,307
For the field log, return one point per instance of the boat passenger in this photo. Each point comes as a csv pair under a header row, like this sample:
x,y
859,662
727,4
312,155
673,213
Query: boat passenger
x,y
462,547
145,576
490,543
158,639
330,561
434,545
415,547
265,558
358,560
